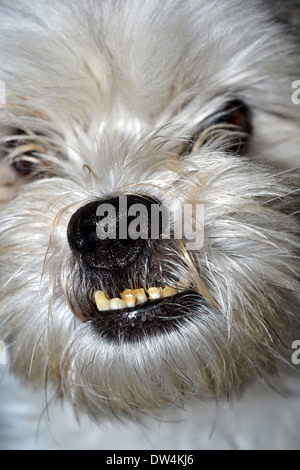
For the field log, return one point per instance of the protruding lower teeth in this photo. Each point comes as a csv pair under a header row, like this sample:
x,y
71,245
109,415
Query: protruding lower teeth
x,y
117,304
154,293
140,296
101,301
169,291
131,297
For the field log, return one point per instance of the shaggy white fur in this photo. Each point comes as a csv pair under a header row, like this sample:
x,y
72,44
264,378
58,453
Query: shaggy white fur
x,y
188,102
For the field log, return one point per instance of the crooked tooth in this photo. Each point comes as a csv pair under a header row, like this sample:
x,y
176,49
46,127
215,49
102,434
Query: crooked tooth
x,y
169,291
140,296
117,304
126,292
155,293
101,300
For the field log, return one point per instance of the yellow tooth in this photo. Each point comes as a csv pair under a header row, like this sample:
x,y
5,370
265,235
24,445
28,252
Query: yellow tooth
x,y
130,300
140,296
132,297
101,300
155,293
126,292
169,291
117,304
129,297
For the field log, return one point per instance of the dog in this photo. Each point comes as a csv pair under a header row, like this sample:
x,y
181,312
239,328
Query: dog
x,y
167,105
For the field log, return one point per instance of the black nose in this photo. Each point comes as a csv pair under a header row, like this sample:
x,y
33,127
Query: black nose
x,y
111,234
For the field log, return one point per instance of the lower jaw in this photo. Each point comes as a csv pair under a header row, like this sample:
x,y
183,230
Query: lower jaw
x,y
152,318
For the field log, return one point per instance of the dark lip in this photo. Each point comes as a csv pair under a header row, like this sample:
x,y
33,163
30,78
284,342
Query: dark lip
x,y
148,319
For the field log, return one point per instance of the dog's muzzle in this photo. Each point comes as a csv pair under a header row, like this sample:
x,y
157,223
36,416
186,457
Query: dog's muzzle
x,y
141,302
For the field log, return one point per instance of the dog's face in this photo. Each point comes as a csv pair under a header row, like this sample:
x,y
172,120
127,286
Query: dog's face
x,y
163,104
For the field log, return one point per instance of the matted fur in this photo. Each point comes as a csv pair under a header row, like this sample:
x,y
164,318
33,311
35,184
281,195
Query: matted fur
x,y
105,94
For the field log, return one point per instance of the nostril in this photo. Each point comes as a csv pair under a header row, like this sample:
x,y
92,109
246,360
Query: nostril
x,y
81,233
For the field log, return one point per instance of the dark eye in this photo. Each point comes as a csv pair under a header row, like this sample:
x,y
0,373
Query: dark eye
x,y
237,114
235,118
25,166
27,153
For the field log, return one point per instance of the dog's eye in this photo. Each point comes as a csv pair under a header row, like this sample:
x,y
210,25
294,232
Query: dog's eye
x,y
25,166
232,123
30,163
27,154
237,114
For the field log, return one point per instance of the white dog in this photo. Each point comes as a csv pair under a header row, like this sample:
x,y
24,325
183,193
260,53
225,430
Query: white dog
x,y
160,105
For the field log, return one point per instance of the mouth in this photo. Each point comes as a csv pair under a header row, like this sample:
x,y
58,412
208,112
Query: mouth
x,y
132,297
140,313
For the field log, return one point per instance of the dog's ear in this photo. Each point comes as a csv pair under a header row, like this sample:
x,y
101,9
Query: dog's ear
x,y
286,13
